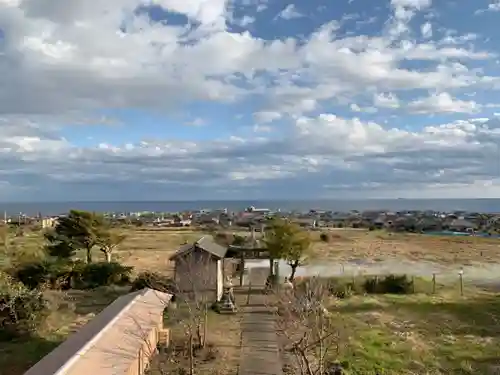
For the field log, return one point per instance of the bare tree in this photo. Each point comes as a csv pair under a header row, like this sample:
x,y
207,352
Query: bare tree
x,y
306,328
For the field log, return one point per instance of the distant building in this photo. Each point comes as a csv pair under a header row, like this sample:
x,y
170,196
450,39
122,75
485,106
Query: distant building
x,y
462,225
258,210
49,222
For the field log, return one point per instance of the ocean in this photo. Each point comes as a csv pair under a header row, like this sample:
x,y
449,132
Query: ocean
x,y
55,208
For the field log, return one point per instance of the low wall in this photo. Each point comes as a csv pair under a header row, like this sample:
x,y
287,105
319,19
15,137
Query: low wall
x,y
120,340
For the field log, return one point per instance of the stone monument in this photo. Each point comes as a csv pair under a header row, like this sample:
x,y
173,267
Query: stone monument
x,y
226,304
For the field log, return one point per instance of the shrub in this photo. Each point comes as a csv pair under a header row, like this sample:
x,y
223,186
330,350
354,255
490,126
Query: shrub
x,y
65,275
154,281
371,285
339,289
53,273
324,237
31,275
390,284
223,238
238,240
103,274
21,310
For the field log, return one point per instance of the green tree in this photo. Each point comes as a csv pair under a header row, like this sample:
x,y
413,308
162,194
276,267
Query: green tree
x,y
285,240
59,246
108,239
238,240
78,230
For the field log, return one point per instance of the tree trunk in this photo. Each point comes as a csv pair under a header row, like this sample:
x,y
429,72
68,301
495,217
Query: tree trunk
x,y
198,334
108,256
271,267
205,326
89,255
191,354
293,266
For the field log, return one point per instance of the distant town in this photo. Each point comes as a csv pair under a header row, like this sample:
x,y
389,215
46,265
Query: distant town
x,y
406,221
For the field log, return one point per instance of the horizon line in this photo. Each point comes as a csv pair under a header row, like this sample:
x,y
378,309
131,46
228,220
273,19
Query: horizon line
x,y
247,200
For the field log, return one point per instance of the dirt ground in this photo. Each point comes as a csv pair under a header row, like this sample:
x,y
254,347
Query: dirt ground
x,y
222,353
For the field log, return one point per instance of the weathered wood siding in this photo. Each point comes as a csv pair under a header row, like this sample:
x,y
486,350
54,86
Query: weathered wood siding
x,y
197,271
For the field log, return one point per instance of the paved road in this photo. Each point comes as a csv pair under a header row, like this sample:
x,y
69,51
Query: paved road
x,y
259,344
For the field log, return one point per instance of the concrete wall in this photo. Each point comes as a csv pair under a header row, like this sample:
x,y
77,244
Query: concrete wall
x,y
119,341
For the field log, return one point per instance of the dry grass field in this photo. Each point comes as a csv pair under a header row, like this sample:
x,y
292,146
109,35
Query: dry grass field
x,y
348,244
148,249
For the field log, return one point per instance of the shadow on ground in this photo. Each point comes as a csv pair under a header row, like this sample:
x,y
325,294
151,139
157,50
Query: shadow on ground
x,y
16,357
94,300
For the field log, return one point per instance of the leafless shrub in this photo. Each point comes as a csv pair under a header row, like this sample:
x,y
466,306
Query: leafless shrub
x,y
195,281
306,329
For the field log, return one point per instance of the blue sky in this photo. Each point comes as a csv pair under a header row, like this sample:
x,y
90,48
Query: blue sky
x,y
239,99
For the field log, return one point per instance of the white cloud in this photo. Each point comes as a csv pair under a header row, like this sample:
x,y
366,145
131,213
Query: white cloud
x,y
267,116
492,7
290,12
386,100
197,122
324,150
442,103
417,4
62,64
426,30
356,108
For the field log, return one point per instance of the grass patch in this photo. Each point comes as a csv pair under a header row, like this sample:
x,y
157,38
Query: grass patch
x,y
417,334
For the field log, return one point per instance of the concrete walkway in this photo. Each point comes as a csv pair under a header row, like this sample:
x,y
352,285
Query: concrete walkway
x,y
259,342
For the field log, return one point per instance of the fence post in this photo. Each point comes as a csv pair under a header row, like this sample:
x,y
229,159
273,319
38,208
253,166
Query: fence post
x,y
249,290
461,277
433,283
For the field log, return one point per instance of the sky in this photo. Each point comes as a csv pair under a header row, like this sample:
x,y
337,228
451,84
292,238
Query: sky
x,y
249,99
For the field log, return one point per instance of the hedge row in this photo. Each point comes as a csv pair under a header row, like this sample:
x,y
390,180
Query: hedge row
x,y
72,275
341,288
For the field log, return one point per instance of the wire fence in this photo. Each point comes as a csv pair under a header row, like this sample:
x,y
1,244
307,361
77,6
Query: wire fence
x,y
430,284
